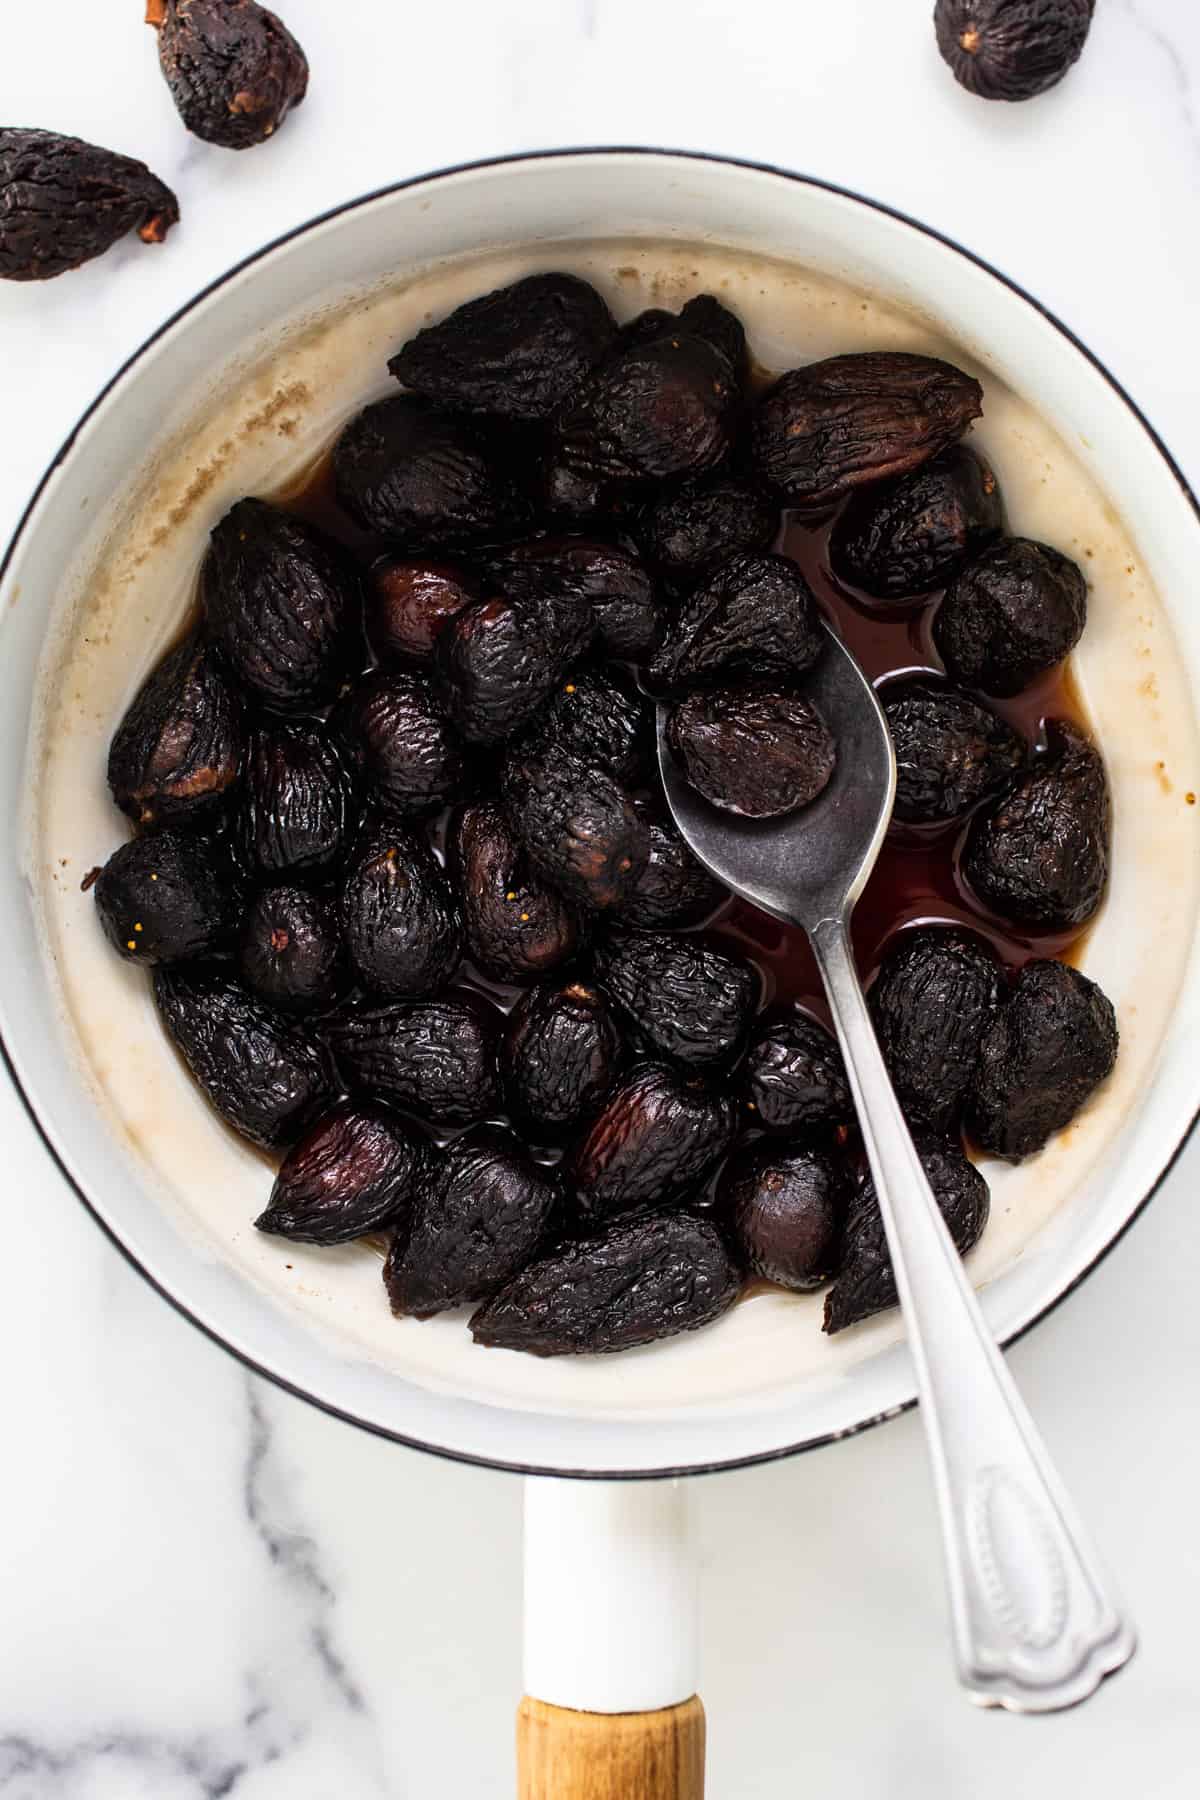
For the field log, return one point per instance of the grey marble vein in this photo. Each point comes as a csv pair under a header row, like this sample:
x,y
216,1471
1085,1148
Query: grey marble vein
x,y
1174,59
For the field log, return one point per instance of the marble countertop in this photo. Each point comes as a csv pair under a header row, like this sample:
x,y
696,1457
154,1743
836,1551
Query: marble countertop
x,y
210,1589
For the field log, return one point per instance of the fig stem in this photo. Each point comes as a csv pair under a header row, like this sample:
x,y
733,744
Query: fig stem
x,y
156,12
969,41
154,230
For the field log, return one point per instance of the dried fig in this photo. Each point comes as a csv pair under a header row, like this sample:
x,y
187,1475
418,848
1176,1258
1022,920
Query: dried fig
x,y
298,806
823,430
603,577
684,534
865,1284
691,1004
785,1207
63,201
434,1058
1044,1054
754,614
398,916
756,750
673,889
411,758
517,927
354,1171
423,479
290,953
180,745
578,826
630,1284
935,996
497,660
265,1074
480,1213
518,351
952,751
408,605
903,537
561,1054
283,604
597,719
652,412
1013,613
234,69
794,1079
1039,855
167,896
1011,49
655,1141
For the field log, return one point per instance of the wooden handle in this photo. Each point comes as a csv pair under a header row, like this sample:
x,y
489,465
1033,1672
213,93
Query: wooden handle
x,y
564,1755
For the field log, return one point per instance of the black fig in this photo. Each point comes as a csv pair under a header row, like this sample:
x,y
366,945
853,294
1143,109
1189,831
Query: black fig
x,y
411,758
952,751
354,1171
298,804
499,659
903,537
422,478
167,896
657,1138
577,825
691,1004
518,352
234,69
1011,49
562,1051
794,1079
283,604
434,1058
630,1284
1013,613
653,412
63,201
399,919
753,614
684,534
935,996
290,952
480,1213
265,1074
603,577
518,928
756,750
785,1207
409,603
181,743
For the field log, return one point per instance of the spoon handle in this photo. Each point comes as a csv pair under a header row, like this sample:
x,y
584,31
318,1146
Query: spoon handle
x,y
1036,1626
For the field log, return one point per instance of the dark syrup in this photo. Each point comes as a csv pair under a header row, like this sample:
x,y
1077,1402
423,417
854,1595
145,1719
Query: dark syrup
x,y
916,879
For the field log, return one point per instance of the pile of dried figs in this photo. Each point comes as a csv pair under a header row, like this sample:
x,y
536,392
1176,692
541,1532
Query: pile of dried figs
x,y
417,916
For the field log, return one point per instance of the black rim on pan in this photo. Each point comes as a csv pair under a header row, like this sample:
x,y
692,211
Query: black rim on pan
x,y
627,150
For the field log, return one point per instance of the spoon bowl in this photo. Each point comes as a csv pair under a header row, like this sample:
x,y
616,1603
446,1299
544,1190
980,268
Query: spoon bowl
x,y
813,864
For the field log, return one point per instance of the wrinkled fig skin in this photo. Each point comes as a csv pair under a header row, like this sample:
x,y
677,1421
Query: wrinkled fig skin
x,y
655,1141
354,1171
693,1005
935,996
480,1213
499,659
234,69
752,750
298,803
63,201
265,1074
754,614
1039,856
605,577
399,919
653,412
823,430
794,1080
653,323
673,889
631,1284
180,746
283,604
904,537
411,758
682,535
1051,1046
408,605
434,1058
566,494
865,1284
952,751
1013,613
595,719
167,896
785,1208
1011,49
579,827
518,352
517,928
561,1055
706,318
422,479
290,953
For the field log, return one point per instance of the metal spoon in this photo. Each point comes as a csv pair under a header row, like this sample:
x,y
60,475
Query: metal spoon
x,y
1035,1623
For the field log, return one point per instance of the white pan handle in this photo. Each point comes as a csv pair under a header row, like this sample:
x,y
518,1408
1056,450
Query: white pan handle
x,y
610,1644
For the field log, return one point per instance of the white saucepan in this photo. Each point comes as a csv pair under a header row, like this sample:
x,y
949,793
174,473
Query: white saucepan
x,y
237,394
